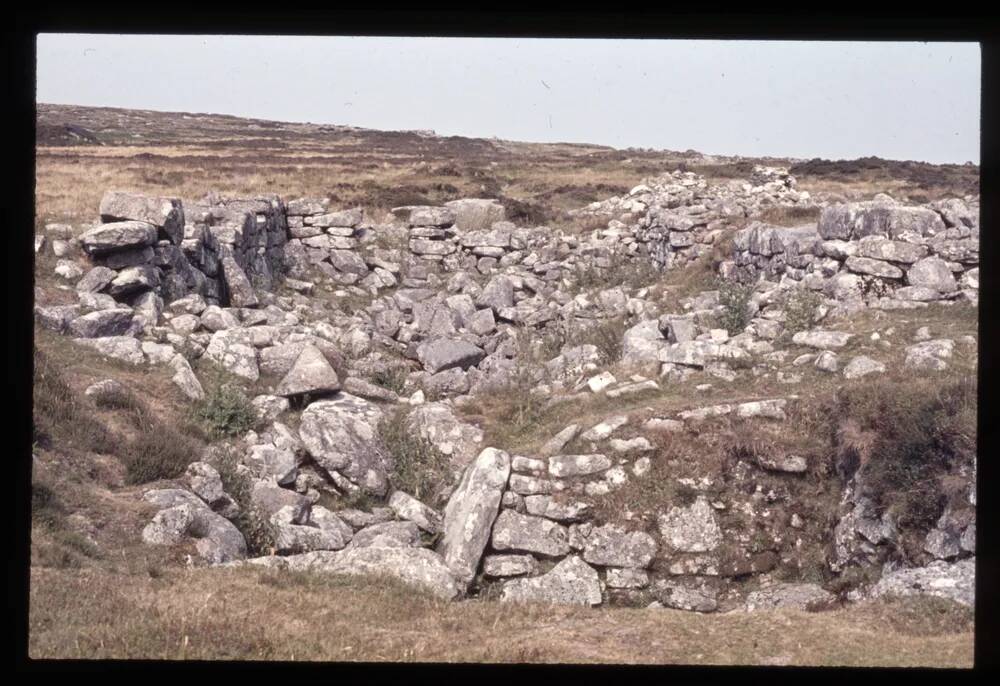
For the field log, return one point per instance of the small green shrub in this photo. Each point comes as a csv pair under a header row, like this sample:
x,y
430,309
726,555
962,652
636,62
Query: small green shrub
x,y
392,378
607,335
734,297
45,506
252,522
799,305
225,411
419,468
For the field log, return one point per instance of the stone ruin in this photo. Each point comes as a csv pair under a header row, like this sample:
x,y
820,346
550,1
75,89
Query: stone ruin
x,y
197,278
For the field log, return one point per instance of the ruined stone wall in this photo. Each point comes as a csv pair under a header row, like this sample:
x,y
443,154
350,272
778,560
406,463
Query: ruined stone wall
x,y
879,252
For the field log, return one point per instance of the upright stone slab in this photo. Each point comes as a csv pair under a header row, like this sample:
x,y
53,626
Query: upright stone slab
x,y
469,514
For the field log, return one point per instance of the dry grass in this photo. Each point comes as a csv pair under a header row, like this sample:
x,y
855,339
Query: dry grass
x,y
261,614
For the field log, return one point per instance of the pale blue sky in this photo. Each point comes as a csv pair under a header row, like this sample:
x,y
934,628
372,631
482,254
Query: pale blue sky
x,y
836,100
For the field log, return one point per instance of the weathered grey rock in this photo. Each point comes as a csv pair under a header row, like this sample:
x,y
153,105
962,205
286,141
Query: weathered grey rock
x,y
204,481
643,343
942,543
147,306
865,265
427,215
218,540
700,353
134,279
166,214
856,220
267,495
341,436
514,531
523,484
238,289
118,236
311,374
124,348
293,538
279,359
103,323
612,545
471,511
348,261
555,444
437,423
520,463
955,581
184,378
892,251
269,407
215,318
577,465
823,340
96,301
769,409
482,323
129,257
681,597
426,246
929,355
790,596
417,567
409,508
105,387
571,582
476,215
269,461
827,361
603,429
329,521
663,425
439,354
542,505
862,366
366,389
232,349
791,464
497,294
626,578
691,529
96,280
402,534
699,414
56,317
932,272
509,565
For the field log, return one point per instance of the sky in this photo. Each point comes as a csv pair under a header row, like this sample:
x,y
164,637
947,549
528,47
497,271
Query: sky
x,y
834,100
